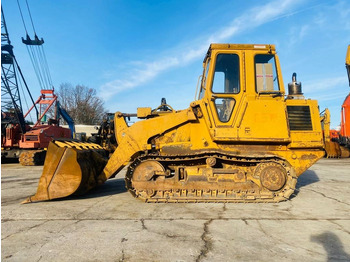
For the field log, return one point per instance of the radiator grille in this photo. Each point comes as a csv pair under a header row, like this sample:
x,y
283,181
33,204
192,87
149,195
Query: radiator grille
x,y
299,118
31,138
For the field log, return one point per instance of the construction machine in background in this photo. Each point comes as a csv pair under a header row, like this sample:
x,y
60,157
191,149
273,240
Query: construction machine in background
x,y
339,141
29,145
331,148
19,140
344,137
105,135
242,140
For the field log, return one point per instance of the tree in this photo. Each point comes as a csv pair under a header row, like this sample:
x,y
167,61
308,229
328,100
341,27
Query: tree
x,y
81,103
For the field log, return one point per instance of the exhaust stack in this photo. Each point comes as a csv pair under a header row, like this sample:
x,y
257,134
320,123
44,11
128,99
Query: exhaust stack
x,y
294,88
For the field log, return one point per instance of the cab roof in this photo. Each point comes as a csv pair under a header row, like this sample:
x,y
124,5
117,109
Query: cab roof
x,y
214,46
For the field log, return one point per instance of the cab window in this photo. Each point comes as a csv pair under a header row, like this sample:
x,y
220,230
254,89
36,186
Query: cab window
x,y
226,75
265,74
224,108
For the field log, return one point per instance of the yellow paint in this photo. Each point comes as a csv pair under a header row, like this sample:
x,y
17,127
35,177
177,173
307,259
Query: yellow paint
x,y
143,112
257,119
249,118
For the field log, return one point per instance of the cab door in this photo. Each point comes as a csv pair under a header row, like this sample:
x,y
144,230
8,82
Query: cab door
x,y
226,84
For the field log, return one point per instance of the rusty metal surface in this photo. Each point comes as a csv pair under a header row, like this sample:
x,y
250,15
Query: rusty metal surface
x,y
272,175
147,169
189,179
32,157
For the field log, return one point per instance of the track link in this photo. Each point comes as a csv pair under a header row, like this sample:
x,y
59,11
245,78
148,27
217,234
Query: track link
x,y
32,157
179,193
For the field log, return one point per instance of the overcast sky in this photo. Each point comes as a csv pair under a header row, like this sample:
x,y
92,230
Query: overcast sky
x,y
136,52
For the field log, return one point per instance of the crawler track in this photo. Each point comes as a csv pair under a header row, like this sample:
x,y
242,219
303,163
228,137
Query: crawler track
x,y
32,157
166,187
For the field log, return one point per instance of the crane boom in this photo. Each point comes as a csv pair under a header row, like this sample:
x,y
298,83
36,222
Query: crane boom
x,y
10,95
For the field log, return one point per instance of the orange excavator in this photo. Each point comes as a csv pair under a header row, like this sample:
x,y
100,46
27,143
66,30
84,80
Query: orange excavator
x,y
337,143
345,110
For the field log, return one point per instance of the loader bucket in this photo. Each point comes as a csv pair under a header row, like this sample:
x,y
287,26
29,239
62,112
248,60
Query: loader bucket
x,y
332,149
70,168
345,152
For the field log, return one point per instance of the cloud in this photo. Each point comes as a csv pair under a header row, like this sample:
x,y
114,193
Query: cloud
x,y
328,91
330,97
145,72
250,19
326,84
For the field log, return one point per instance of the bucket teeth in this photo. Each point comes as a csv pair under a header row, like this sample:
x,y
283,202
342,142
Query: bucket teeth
x,y
76,145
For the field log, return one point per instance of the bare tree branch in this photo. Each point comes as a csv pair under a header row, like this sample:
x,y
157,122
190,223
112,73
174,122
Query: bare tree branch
x,y
81,103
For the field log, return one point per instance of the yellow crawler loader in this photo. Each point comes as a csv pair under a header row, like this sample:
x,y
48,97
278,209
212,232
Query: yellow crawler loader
x,y
242,140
